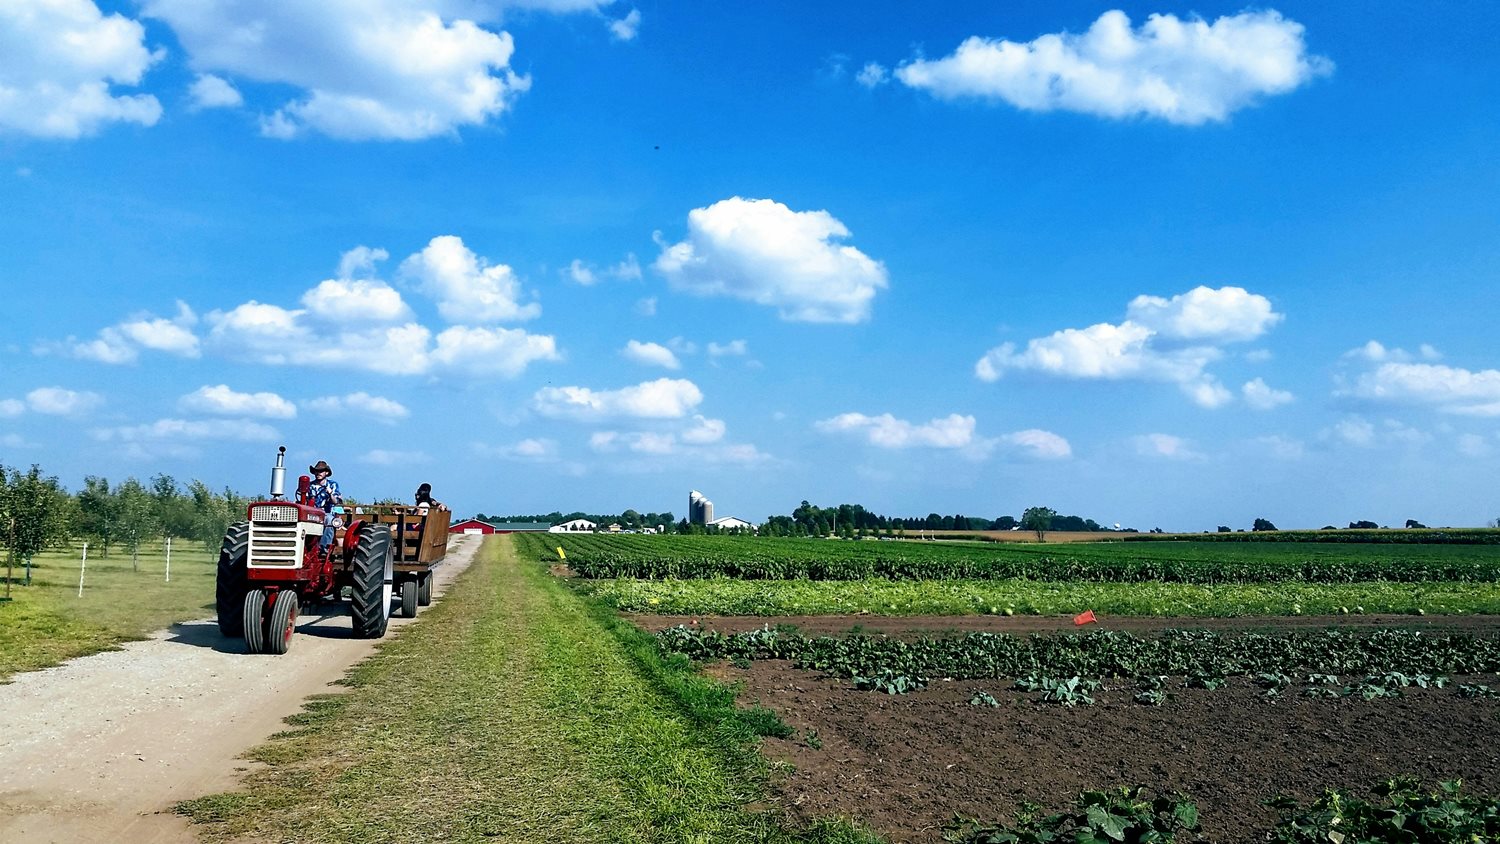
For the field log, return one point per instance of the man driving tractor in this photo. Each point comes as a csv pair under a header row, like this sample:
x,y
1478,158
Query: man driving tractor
x,y
326,497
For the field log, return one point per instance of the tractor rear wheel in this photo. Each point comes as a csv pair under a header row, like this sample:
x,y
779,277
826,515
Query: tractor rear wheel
x,y
230,592
424,590
254,621
283,622
372,573
409,598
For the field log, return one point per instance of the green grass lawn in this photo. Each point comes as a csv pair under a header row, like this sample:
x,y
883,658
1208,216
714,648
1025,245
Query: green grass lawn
x,y
47,622
511,711
1030,597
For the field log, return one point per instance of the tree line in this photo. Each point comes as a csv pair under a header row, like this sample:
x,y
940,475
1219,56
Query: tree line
x,y
37,512
628,520
854,520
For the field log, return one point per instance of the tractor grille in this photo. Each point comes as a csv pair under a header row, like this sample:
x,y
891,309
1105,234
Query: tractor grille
x,y
280,513
275,545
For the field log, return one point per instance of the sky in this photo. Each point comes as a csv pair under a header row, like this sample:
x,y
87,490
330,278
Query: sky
x,y
1165,265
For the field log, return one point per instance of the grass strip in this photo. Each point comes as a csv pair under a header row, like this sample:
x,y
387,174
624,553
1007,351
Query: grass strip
x,y
48,622
509,713
1027,597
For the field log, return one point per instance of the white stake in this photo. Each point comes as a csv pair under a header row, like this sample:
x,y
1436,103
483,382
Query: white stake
x,y
169,559
82,565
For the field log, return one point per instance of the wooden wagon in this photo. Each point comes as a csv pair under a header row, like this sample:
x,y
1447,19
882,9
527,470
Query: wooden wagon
x,y
419,536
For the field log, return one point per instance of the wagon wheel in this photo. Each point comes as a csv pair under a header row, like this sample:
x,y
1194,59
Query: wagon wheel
x,y
409,598
424,590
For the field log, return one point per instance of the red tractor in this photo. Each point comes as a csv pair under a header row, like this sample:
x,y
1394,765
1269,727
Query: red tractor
x,y
271,565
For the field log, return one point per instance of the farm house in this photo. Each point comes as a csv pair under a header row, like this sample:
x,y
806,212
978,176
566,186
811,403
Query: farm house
x,y
574,525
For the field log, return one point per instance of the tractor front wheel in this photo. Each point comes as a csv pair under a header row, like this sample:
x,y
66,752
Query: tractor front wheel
x,y
372,573
283,622
229,594
254,621
424,590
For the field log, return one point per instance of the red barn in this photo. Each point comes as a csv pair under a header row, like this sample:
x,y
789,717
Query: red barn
x,y
472,526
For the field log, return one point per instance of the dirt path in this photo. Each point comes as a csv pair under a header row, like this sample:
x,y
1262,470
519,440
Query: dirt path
x,y
98,749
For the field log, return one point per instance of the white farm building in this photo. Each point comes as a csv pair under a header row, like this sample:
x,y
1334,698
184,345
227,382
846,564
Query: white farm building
x,y
732,523
575,525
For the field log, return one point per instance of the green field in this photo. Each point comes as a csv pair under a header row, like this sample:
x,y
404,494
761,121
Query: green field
x,y
47,622
513,711
747,558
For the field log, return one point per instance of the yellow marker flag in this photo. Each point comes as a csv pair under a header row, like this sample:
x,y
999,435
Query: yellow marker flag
x,y
560,553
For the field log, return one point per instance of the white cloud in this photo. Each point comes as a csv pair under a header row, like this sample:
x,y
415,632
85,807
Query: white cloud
x,y
762,251
651,354
169,430
495,351
1182,71
60,59
57,401
389,457
626,28
223,401
1378,353
1448,389
1225,315
360,404
122,343
1165,446
659,444
664,398
467,288
1355,431
738,348
1168,340
274,335
527,450
704,431
873,75
360,261
1039,444
209,91
383,69
628,269
581,273
342,300
11,407
585,274
1261,396
886,431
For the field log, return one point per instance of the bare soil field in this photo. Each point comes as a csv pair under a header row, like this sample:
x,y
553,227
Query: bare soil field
x,y
905,764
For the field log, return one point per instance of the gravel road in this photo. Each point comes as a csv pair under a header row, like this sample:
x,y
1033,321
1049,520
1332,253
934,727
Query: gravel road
x,y
98,749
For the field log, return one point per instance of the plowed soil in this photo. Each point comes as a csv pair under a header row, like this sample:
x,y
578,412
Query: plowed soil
x,y
906,764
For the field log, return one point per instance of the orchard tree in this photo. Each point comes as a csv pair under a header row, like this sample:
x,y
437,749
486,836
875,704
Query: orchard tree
x,y
137,518
1038,519
98,513
33,516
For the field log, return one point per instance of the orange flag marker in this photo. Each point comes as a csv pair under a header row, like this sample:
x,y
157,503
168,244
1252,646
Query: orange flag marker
x,y
1085,617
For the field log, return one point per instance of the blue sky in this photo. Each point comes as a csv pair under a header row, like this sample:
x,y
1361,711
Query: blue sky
x,y
1159,264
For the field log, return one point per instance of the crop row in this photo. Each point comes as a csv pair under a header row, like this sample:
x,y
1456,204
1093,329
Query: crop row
x,y
745,558
1101,654
1380,536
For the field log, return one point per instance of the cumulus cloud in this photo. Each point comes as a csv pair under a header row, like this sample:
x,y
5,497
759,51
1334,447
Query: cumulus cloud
x,y
183,429
11,407
209,91
270,334
492,351
1167,340
872,75
61,60
365,69
886,431
221,400
468,289
528,450
58,401
704,431
1261,396
658,444
626,28
664,398
651,354
360,404
1038,444
736,348
1183,71
762,251
1448,389
1166,447
586,274
346,299
1375,352
123,342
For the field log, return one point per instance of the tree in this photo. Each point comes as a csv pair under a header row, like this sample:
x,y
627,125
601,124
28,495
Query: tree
x,y
98,512
1262,524
137,518
1038,519
33,516
1224,529
1414,524
1005,523
1363,525
172,511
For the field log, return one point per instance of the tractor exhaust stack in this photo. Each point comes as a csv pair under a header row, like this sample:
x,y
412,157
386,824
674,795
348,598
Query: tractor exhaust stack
x,y
278,476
